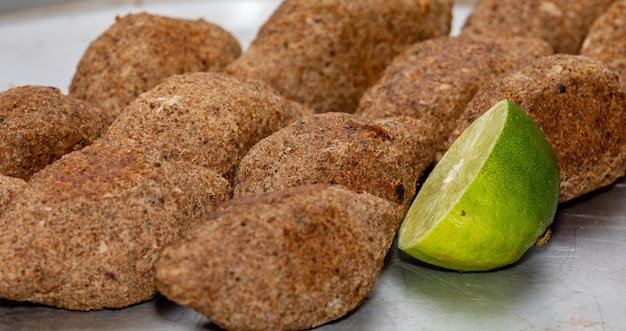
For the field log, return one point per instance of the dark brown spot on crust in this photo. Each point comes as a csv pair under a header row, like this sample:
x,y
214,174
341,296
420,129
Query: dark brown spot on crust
x,y
399,189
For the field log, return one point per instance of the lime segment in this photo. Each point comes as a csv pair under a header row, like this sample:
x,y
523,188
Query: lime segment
x,y
489,198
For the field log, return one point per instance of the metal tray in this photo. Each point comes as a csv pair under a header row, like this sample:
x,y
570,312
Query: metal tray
x,y
577,281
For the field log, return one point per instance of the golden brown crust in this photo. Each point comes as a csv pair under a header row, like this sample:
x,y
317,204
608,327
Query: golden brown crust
x,y
384,158
435,79
86,231
210,119
326,53
562,23
579,105
39,124
9,188
285,260
140,50
606,40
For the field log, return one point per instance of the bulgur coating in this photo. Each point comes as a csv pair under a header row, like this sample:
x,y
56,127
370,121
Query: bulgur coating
x,y
86,231
284,260
210,119
326,53
606,40
579,105
39,124
562,23
435,79
9,188
140,50
384,158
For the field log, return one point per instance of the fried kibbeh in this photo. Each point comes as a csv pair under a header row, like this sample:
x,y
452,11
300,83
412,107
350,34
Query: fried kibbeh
x,y
562,23
606,40
325,54
210,119
9,188
85,232
290,259
579,105
384,158
435,79
39,124
140,50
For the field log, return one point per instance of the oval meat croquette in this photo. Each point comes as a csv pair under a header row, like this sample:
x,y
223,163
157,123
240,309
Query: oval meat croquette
x,y
85,232
324,54
285,260
606,40
384,158
210,119
562,23
39,124
435,79
579,105
140,50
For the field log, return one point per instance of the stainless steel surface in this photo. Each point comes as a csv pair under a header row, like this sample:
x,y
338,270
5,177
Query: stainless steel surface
x,y
577,281
11,6
44,48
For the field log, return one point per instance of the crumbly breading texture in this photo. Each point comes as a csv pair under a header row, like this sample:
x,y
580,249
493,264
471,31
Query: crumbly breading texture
x,y
435,79
9,188
384,158
606,40
286,260
579,105
39,124
85,232
209,119
140,50
326,53
562,23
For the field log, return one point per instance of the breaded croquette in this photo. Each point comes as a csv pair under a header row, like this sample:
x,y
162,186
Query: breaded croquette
x,y
606,40
210,119
39,124
435,79
384,158
284,260
324,54
85,233
140,50
562,23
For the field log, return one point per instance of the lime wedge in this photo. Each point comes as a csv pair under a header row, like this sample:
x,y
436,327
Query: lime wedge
x,y
490,197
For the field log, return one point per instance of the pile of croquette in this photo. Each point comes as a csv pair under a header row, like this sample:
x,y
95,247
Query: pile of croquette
x,y
263,187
